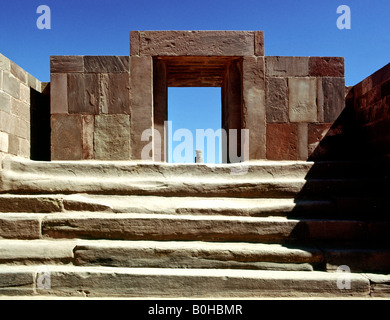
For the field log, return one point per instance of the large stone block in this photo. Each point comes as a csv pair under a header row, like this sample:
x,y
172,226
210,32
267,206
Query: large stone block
x,y
88,127
106,64
25,93
326,67
19,226
112,137
66,137
134,43
5,102
316,132
11,85
114,93
5,63
302,135
4,142
259,43
334,100
302,99
59,93
33,83
282,141
24,148
277,100
195,43
83,93
20,109
141,101
13,144
253,96
66,64
287,66
18,72
5,121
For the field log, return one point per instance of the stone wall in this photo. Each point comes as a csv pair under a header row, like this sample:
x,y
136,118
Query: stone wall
x,y
16,90
304,96
90,107
371,104
101,106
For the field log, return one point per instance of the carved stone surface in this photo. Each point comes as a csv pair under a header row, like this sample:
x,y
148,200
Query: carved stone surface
x,y
302,99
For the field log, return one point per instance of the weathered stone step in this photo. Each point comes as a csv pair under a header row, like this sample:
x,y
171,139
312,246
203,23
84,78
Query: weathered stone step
x,y
193,254
37,251
165,205
68,280
132,169
123,226
209,228
358,259
335,208
259,179
168,254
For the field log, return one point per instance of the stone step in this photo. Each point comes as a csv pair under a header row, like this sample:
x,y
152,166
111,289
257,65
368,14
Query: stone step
x,y
130,226
132,169
188,254
209,228
165,205
38,251
335,208
193,254
69,280
198,187
259,179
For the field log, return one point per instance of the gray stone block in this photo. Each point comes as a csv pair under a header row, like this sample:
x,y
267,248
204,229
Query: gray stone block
x,y
112,137
11,85
5,102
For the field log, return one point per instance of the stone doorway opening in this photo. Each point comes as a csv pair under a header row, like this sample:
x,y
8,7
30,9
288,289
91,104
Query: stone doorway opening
x,y
224,73
194,116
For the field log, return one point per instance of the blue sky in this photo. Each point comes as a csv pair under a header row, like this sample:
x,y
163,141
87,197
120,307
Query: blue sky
x,y
292,28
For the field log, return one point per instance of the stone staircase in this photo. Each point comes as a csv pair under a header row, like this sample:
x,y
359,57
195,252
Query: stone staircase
x,y
128,229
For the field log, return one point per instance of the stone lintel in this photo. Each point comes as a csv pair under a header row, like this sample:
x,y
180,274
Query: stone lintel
x,y
196,43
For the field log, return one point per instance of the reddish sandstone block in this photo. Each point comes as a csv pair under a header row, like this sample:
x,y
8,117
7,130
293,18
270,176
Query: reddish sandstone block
x,y
287,66
326,67
141,101
333,98
259,43
66,137
380,76
66,64
302,135
116,97
385,89
83,93
277,100
196,43
106,64
282,141
58,93
316,132
134,43
253,96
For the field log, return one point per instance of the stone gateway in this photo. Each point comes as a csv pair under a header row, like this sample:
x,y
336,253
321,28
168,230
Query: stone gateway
x,y
303,213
